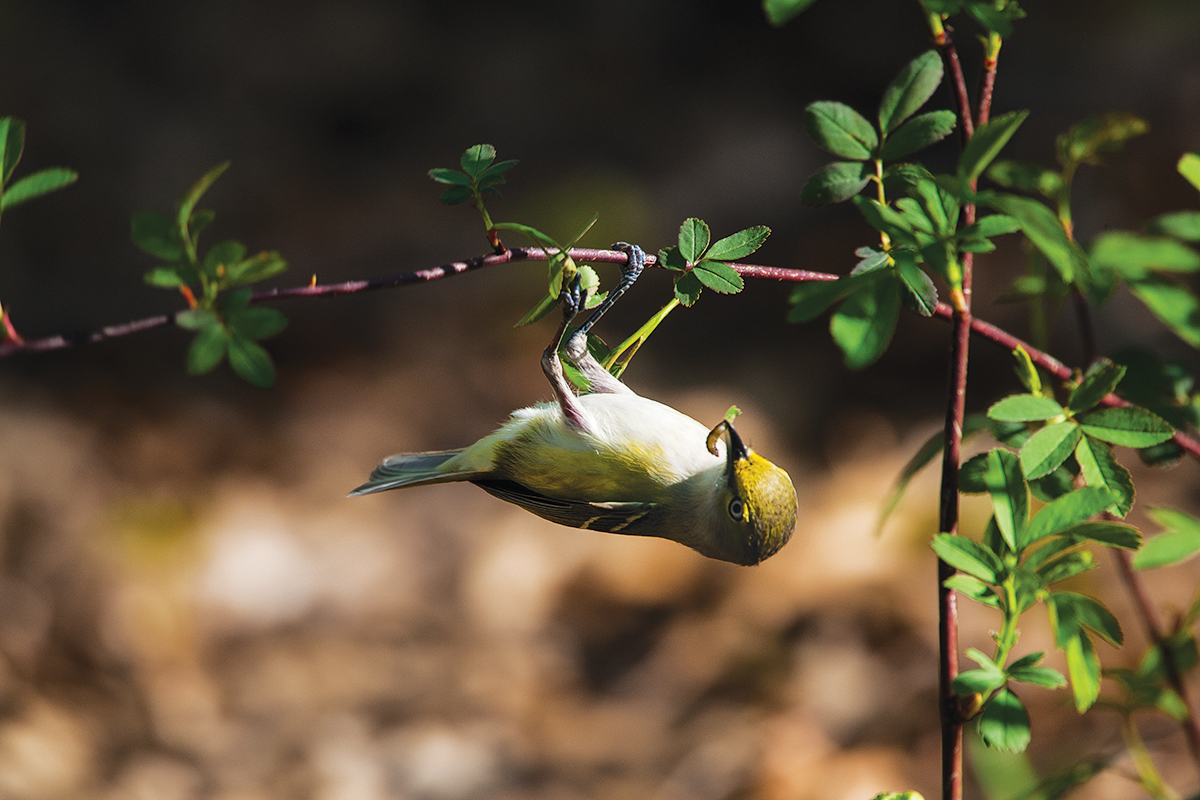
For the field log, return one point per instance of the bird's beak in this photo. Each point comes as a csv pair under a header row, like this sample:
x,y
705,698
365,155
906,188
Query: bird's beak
x,y
737,450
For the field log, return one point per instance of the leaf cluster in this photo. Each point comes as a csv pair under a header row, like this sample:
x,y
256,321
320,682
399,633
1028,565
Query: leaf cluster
x,y
215,284
699,262
864,146
480,175
1064,458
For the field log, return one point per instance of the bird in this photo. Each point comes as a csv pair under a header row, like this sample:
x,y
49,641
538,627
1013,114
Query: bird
x,y
610,460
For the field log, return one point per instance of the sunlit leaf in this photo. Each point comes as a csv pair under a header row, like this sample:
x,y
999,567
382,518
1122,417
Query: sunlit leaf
x,y
1025,408
1128,426
1048,448
738,245
1179,540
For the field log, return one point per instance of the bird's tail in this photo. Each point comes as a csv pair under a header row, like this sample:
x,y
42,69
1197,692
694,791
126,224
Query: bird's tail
x,y
414,469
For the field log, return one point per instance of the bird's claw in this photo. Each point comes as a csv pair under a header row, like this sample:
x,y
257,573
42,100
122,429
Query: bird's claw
x,y
572,297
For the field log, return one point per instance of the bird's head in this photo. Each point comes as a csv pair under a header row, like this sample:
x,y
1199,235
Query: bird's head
x,y
756,508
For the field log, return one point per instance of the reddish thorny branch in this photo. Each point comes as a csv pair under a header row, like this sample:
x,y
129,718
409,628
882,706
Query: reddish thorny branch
x,y
984,330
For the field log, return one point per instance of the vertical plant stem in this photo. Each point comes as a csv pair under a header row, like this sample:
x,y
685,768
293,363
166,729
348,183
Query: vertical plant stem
x,y
948,523
960,300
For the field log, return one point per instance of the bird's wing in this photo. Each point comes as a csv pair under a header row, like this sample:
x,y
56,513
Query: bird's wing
x,y
627,518
414,469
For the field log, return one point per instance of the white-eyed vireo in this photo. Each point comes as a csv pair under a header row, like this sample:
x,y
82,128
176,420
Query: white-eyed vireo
x,y
609,460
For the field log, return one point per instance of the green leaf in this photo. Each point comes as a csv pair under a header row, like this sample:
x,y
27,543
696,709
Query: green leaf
x,y
475,160
671,258
456,195
719,277
156,234
164,277
494,175
221,256
940,206
919,286
1042,228
918,133
1109,534
810,299
1026,372
1100,469
910,90
982,680
884,218
1089,137
1128,426
1183,225
693,239
256,322
194,319
541,239
450,176
1179,541
1025,408
688,288
779,12
1100,381
1133,255
836,182
1048,448
251,362
1004,723
903,178
987,143
193,195
992,225
12,144
36,185
968,556
840,129
995,18
863,324
998,473
207,349
1066,566
1046,677
1175,305
973,588
1083,666
232,301
1092,614
1189,168
1066,512
256,268
1026,176
738,245
544,307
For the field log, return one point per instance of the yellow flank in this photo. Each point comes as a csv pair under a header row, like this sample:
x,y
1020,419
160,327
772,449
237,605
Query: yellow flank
x,y
593,471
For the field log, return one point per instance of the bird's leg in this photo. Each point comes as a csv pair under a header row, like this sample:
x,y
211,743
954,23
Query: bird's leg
x,y
572,299
599,379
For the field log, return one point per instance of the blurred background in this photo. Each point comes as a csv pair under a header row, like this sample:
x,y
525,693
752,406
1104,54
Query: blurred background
x,y
189,606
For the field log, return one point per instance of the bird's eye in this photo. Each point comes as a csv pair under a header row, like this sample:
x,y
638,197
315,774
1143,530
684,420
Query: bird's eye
x,y
736,509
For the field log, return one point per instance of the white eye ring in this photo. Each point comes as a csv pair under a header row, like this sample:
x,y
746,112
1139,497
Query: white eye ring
x,y
736,509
